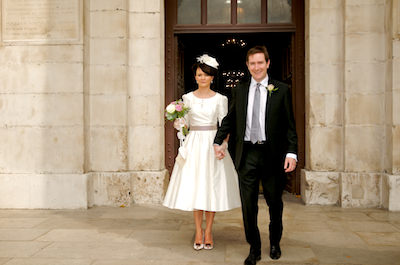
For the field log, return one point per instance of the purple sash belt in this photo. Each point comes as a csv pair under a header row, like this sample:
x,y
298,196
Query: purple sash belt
x,y
203,128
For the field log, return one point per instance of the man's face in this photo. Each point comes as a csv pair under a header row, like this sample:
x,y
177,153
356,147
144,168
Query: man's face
x,y
257,66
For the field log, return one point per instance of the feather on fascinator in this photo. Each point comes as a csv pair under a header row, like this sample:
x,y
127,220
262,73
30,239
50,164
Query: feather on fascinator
x,y
208,60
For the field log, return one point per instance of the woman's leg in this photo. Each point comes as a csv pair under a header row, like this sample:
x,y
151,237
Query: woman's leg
x,y
198,221
208,240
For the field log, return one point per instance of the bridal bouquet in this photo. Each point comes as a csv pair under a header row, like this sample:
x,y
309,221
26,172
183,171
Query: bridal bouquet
x,y
176,112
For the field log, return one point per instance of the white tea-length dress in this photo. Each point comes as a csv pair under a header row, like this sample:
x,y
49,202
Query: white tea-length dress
x,y
202,182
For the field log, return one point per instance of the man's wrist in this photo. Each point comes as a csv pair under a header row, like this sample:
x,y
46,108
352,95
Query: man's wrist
x,y
292,155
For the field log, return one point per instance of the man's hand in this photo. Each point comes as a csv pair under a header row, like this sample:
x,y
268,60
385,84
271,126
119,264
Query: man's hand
x,y
219,151
290,164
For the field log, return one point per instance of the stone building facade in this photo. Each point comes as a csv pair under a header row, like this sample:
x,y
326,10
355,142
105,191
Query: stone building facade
x,y
352,103
82,99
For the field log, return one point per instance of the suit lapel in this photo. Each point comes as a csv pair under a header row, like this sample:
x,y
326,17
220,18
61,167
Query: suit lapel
x,y
268,108
244,101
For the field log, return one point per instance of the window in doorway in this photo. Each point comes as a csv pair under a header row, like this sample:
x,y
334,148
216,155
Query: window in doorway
x,y
248,11
233,12
279,11
189,12
218,12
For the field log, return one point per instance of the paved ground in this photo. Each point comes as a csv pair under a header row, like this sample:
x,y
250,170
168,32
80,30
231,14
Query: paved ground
x,y
155,235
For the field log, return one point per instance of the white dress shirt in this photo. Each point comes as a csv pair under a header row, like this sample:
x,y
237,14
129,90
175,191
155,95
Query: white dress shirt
x,y
263,107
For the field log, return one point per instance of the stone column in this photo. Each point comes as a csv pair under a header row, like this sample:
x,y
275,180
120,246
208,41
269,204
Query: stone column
x,y
106,113
125,101
365,85
146,100
391,180
324,101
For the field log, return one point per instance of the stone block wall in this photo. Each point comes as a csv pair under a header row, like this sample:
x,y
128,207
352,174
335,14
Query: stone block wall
x,y
82,117
41,115
351,114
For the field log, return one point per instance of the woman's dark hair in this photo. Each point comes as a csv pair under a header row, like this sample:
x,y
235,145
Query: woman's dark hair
x,y
205,68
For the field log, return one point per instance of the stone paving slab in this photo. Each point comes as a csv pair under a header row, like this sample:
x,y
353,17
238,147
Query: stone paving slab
x,y
145,234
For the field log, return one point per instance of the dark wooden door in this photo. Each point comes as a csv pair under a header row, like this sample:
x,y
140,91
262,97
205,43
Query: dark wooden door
x,y
285,42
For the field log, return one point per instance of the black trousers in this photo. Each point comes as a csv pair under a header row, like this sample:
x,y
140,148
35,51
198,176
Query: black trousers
x,y
257,164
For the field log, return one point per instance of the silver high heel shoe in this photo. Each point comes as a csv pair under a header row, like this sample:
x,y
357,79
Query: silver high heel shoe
x,y
209,246
199,246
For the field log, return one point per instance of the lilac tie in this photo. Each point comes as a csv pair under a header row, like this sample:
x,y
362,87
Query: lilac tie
x,y
255,132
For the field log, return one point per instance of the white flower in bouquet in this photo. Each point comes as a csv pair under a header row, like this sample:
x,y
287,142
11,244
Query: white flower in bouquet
x,y
170,108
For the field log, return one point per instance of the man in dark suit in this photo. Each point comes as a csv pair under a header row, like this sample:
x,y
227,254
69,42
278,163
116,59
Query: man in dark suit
x,y
260,117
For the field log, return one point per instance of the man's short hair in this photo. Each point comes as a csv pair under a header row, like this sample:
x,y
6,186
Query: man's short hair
x,y
258,49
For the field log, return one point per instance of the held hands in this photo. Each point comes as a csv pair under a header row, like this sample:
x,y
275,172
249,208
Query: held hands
x,y
219,150
290,164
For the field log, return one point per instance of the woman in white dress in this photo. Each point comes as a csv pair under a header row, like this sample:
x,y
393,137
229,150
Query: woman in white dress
x,y
200,182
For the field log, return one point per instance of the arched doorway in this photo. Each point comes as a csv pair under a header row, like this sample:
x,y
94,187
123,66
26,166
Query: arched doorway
x,y
227,29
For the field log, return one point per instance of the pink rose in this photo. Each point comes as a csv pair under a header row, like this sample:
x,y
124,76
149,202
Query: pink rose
x,y
178,107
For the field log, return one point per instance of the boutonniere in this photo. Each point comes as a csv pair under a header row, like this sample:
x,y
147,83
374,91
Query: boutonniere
x,y
271,89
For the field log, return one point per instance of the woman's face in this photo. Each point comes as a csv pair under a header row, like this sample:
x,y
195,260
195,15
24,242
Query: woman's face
x,y
203,79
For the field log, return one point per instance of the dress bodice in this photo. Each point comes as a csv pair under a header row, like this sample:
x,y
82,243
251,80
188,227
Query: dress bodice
x,y
205,111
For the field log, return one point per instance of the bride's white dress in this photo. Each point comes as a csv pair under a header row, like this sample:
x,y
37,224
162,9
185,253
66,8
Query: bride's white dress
x,y
203,182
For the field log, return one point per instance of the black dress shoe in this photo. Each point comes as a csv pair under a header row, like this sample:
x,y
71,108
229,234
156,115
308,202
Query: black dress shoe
x,y
252,259
275,252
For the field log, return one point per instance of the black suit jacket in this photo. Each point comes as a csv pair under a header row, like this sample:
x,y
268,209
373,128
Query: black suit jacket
x,y
280,129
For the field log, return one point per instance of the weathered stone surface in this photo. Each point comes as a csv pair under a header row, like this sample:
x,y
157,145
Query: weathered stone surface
x,y
150,52
123,189
143,25
108,148
108,51
360,189
326,151
325,109
358,105
326,20
145,145
364,148
29,20
108,24
146,110
147,6
41,109
108,110
320,187
37,78
360,18
108,79
100,5
43,191
396,149
41,150
372,81
149,187
326,48
111,189
142,85
391,192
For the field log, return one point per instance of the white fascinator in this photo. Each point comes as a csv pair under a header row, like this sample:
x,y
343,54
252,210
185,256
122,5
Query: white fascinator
x,y
208,60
